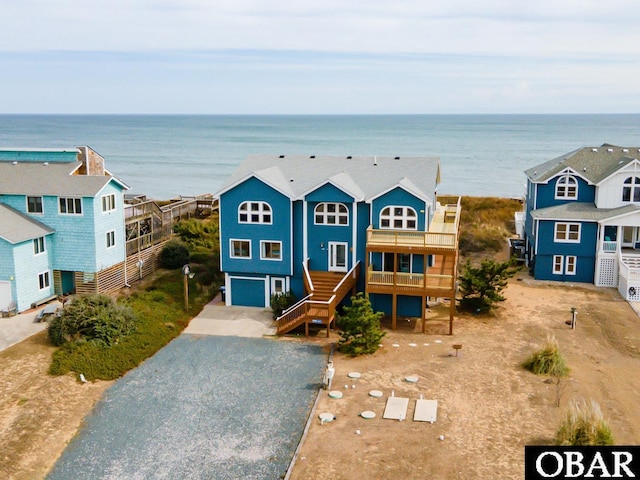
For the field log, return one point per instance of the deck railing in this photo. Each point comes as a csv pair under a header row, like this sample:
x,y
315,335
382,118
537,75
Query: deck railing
x,y
397,238
409,280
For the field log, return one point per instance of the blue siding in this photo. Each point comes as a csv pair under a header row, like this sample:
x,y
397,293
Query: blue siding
x,y
584,251
407,306
39,156
399,197
328,193
319,237
27,268
280,230
547,193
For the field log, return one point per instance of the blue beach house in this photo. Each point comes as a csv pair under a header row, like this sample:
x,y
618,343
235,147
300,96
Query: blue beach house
x,y
324,227
61,225
582,218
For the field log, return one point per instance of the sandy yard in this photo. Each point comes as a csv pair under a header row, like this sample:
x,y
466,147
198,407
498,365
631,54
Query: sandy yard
x,y
489,407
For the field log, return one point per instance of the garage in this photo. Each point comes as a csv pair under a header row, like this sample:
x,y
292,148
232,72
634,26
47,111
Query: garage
x,y
248,292
5,295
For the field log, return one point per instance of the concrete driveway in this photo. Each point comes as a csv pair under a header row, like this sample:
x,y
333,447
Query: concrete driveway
x,y
15,329
218,319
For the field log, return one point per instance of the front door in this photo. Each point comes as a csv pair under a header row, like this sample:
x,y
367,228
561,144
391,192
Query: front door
x,y
338,256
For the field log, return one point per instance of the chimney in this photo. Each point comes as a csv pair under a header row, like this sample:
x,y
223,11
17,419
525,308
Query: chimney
x,y
92,162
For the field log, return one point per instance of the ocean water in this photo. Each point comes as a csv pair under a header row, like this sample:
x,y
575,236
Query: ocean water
x,y
164,156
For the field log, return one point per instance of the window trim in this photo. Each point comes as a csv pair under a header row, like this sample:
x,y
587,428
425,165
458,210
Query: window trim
x,y
567,233
324,215
76,201
564,182
263,243
111,238
633,188
231,249
109,200
392,218
261,212
564,265
44,276
41,212
39,246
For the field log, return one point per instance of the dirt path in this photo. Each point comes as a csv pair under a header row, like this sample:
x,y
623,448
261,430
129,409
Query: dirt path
x,y
489,407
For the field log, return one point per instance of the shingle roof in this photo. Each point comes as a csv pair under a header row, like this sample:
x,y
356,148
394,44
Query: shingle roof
x,y
16,227
363,176
55,178
593,163
582,211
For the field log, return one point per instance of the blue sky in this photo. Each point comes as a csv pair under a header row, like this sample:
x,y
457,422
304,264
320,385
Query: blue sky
x,y
311,56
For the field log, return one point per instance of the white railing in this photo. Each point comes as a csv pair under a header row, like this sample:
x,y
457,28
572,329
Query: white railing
x,y
609,247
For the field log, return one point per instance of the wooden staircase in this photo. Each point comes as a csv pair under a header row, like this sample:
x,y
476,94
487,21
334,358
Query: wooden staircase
x,y
325,291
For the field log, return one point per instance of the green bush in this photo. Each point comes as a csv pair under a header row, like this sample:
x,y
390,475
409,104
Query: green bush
x,y
174,254
94,318
547,361
584,425
160,318
361,332
281,301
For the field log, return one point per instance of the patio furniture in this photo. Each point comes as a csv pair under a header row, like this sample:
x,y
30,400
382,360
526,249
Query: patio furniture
x,y
47,311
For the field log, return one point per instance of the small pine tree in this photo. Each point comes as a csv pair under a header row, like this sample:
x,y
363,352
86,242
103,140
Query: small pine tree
x,y
481,286
361,332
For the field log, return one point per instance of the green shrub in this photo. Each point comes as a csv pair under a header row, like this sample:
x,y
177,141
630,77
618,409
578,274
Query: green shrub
x,y
584,425
174,254
160,318
281,301
547,361
94,318
361,332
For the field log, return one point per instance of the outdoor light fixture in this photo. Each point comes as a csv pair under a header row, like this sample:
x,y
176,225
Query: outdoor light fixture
x,y
186,274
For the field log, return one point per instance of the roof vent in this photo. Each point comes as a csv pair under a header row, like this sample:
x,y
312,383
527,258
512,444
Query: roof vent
x,y
584,169
312,156
14,163
291,179
349,157
609,150
396,158
375,161
281,156
594,149
46,163
625,150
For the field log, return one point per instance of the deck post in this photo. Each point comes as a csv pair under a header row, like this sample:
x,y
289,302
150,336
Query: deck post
x,y
328,327
306,328
394,306
424,313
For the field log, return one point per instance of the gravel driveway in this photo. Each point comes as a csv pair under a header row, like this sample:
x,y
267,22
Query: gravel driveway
x,y
204,407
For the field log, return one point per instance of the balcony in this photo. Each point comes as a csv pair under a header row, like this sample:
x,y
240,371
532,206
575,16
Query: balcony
x,y
442,236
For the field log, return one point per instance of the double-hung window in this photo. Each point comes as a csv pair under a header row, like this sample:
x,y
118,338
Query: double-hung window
x,y
567,232
43,280
38,245
70,206
109,202
240,248
270,250
34,204
111,238
564,264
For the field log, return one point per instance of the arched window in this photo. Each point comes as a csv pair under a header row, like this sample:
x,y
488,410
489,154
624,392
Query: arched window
x,y
254,212
567,187
399,218
631,190
331,214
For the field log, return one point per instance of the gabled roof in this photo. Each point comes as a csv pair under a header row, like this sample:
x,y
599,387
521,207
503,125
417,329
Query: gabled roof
x,y
16,227
582,211
362,177
50,172
592,163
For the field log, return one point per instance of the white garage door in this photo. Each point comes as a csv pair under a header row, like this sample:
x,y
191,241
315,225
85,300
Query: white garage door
x,y
5,295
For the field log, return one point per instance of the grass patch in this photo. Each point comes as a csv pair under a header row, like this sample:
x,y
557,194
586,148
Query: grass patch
x,y
486,223
547,361
584,425
160,317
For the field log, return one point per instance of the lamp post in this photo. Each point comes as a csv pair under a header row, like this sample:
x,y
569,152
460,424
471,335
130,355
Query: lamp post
x,y
186,274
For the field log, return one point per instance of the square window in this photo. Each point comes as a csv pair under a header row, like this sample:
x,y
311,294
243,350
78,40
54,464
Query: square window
x,y
240,249
271,250
34,204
